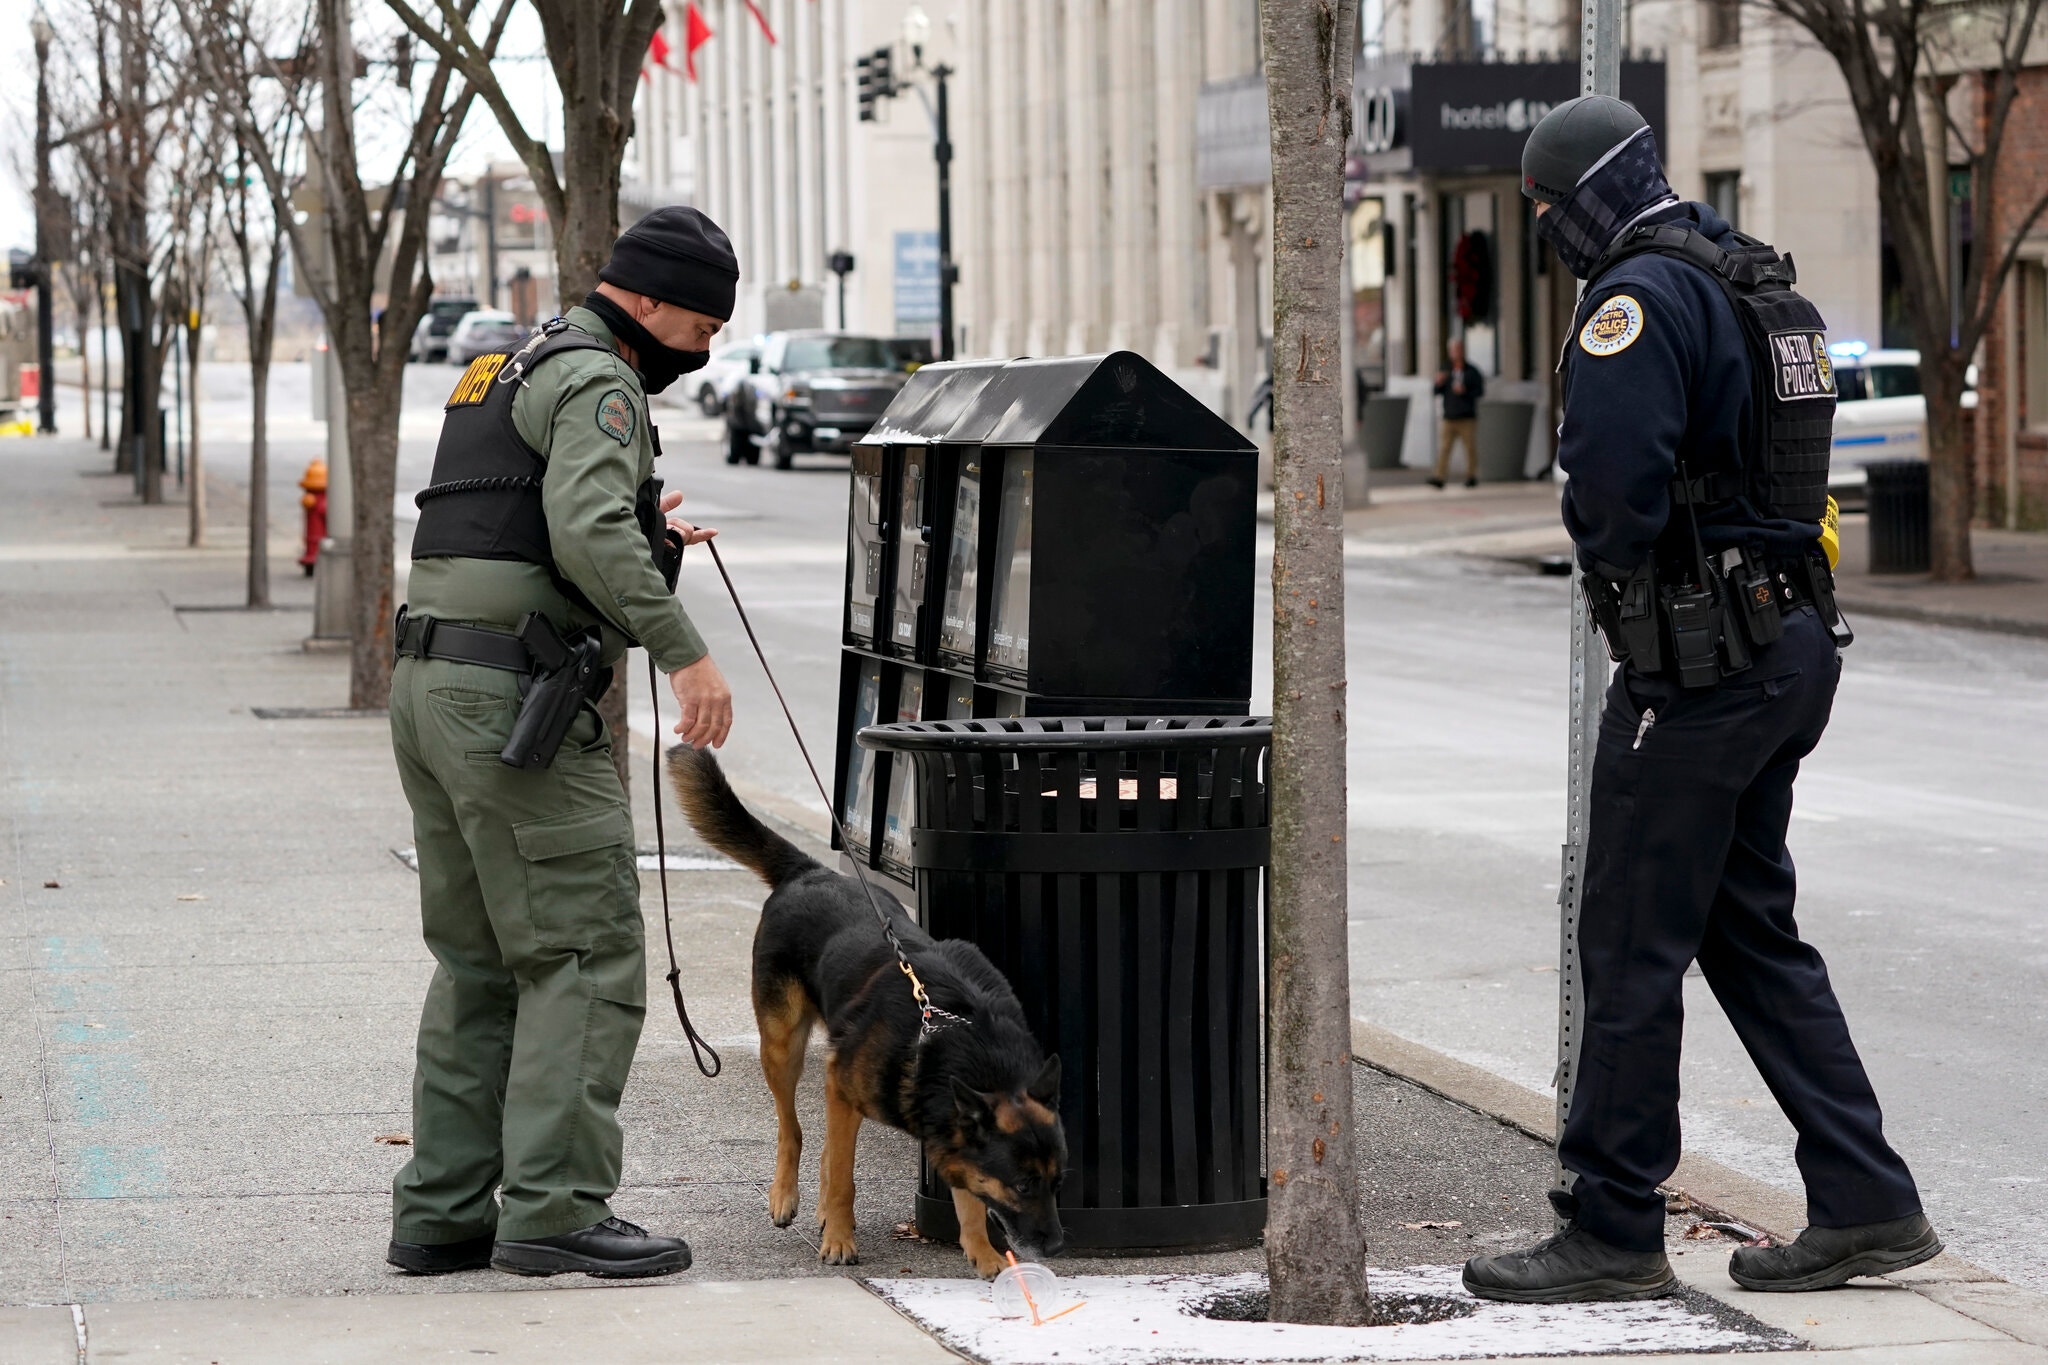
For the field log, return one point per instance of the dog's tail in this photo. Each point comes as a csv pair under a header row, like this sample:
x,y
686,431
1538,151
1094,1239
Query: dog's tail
x,y
722,822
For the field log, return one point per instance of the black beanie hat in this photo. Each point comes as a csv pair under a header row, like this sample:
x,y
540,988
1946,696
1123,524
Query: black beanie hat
x,y
679,256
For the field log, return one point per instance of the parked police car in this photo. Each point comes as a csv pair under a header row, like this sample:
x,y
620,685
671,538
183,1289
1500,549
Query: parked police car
x,y
1880,413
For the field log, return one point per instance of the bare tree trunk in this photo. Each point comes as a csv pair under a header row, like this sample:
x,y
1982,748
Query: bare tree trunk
x,y
259,475
373,403
106,365
1951,477
1315,1251
85,372
195,478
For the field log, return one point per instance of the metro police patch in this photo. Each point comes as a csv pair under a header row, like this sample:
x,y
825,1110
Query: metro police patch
x,y
615,416
1613,328
1801,366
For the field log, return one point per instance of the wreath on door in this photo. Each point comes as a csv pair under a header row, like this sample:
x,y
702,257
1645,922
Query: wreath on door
x,y
1472,277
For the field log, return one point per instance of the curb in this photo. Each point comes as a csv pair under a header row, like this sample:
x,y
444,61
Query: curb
x,y
1715,1189
1935,616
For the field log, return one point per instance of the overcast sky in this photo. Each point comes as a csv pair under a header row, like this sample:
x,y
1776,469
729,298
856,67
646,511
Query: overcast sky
x,y
529,84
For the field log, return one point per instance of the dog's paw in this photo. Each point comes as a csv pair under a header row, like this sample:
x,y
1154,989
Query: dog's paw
x,y
837,1249
986,1262
782,1206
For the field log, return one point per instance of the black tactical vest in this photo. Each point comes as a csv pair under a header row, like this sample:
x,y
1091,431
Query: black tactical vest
x,y
1792,377
484,499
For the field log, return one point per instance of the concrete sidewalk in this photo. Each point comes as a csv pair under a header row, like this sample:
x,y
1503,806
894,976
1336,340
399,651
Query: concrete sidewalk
x,y
210,972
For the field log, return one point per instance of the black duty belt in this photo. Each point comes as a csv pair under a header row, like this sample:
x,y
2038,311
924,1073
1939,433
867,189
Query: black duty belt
x,y
423,637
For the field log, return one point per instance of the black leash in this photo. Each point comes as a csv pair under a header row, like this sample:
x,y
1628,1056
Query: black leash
x,y
930,1011
698,1045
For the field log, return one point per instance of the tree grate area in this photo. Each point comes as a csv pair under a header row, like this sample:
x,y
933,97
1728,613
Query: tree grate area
x,y
1388,1310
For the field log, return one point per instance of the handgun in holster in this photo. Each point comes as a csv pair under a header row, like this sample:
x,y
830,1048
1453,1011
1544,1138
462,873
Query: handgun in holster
x,y
566,674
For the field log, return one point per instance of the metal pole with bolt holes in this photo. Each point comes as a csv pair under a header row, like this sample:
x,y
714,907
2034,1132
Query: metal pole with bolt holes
x,y
942,150
1599,74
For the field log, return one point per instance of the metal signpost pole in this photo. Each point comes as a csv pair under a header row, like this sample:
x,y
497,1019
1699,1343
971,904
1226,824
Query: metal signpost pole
x,y
942,150
1599,74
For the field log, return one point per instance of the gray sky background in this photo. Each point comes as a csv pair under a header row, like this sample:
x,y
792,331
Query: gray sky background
x,y
529,84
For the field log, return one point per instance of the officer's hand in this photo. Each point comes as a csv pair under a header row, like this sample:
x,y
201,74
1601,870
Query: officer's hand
x,y
692,535
706,703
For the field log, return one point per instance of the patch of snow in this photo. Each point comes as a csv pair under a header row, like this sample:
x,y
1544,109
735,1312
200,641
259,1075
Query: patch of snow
x,y
1150,1320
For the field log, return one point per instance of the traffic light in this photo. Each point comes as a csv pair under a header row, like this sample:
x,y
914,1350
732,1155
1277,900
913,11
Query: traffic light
x,y
876,81
864,68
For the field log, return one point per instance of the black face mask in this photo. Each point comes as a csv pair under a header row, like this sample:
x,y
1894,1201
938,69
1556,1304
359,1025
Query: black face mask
x,y
660,366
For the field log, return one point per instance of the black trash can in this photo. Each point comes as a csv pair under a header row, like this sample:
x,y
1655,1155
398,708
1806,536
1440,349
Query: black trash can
x,y
1899,516
1113,869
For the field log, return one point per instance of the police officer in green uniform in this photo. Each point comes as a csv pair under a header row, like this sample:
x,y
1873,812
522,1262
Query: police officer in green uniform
x,y
539,558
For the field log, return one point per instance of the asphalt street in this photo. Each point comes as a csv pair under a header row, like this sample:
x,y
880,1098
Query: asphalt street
x,y
1921,832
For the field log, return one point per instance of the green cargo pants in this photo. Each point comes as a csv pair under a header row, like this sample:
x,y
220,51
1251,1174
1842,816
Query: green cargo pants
x,y
530,904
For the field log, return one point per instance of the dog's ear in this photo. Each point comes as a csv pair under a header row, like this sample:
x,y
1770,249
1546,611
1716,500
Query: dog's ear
x,y
970,1106
1045,1087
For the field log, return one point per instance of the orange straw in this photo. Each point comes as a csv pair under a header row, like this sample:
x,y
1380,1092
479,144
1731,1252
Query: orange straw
x,y
1036,1321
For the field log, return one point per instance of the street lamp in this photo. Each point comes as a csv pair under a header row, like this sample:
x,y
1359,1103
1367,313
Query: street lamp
x,y
46,400
917,31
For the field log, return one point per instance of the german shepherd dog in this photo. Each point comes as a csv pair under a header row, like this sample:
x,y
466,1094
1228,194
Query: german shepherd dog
x,y
979,1094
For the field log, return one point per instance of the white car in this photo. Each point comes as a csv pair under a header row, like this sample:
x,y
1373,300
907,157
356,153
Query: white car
x,y
1880,413
485,329
713,384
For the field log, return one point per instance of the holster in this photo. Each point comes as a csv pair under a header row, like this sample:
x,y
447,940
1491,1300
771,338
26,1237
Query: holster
x,y
1626,613
566,675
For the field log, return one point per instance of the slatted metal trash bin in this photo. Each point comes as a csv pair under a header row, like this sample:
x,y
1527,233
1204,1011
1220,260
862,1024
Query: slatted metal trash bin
x,y
1112,868
1900,522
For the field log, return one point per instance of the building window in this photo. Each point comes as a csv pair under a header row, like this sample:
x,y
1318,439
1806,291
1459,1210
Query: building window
x,y
1721,23
2034,345
1724,196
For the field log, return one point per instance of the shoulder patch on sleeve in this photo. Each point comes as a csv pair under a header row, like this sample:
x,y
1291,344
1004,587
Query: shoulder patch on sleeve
x,y
615,416
1613,327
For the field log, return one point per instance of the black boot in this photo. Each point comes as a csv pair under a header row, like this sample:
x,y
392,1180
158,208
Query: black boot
x,y
1572,1267
441,1258
613,1249
1825,1257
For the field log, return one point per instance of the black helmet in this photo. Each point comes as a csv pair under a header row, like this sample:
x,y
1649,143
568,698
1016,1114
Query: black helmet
x,y
1570,140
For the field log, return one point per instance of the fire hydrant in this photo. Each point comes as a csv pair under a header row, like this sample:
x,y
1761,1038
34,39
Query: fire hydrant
x,y
314,500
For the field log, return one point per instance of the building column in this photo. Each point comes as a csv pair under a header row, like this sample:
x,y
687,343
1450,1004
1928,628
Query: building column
x,y
1174,256
1087,243
806,206
1044,223
1133,230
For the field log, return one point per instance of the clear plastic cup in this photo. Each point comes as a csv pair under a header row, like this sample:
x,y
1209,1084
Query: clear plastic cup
x,y
1023,1286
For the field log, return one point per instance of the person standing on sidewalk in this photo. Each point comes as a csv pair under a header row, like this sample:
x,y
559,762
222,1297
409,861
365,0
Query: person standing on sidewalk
x,y
1698,404
1461,387
542,537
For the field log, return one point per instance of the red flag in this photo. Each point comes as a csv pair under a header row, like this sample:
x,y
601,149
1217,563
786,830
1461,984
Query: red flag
x,y
696,33
762,20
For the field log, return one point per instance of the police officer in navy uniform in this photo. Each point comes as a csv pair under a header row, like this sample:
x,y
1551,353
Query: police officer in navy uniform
x,y
1698,401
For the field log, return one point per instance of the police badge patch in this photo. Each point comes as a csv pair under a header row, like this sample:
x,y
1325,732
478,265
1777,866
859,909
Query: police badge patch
x,y
1613,328
615,416
1801,366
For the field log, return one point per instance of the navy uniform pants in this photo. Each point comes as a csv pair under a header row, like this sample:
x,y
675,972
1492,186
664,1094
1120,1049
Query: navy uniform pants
x,y
1686,861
